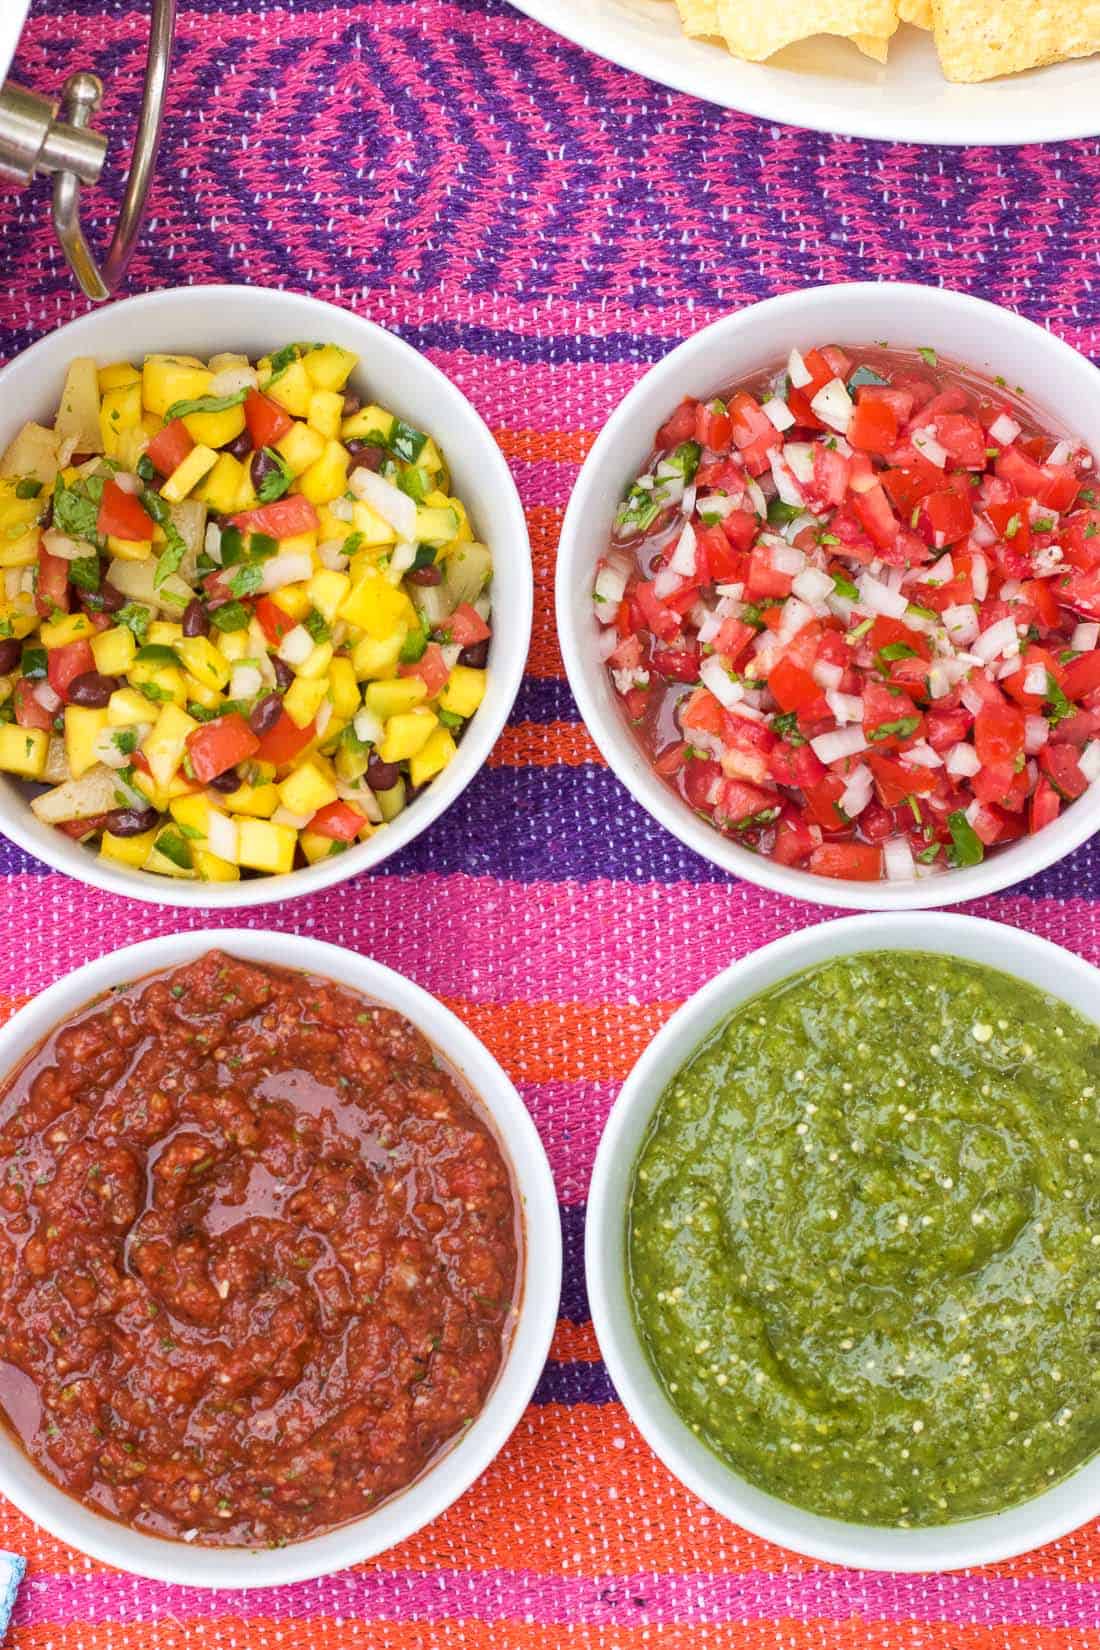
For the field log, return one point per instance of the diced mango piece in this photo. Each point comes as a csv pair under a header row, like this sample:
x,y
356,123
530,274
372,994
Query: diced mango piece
x,y
343,691
206,663
306,788
166,379
119,413
166,867
293,599
23,750
212,868
293,389
130,549
258,800
222,486
373,529
117,376
370,420
215,429
326,409
316,847
71,627
386,699
127,708
164,744
302,699
166,632
199,462
266,847
21,552
318,662
463,691
82,728
371,659
234,645
327,477
330,367
164,681
191,811
298,544
378,607
208,697
432,757
326,590
300,447
127,850
113,650
407,733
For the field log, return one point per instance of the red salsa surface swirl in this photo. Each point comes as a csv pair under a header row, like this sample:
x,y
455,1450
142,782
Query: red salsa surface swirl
x,y
259,1251
852,612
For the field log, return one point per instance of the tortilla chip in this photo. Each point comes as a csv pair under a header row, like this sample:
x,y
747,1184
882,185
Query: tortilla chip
x,y
755,31
916,11
699,17
978,41
871,46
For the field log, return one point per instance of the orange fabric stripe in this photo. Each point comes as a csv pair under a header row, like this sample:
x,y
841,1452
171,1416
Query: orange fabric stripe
x,y
535,446
544,525
574,1343
564,1042
545,745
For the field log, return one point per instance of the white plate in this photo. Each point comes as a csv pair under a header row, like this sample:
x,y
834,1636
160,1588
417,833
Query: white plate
x,y
13,14
827,84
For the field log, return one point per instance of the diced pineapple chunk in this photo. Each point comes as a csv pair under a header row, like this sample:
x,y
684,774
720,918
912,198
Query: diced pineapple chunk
x,y
165,681
191,811
370,420
302,699
119,414
293,599
318,662
373,529
390,698
113,650
266,847
212,868
130,549
316,847
82,729
330,367
198,463
306,789
166,632
208,697
433,756
407,733
21,551
164,744
23,750
116,376
463,691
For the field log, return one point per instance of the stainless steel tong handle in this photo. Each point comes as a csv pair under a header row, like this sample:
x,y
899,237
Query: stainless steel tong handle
x,y
80,99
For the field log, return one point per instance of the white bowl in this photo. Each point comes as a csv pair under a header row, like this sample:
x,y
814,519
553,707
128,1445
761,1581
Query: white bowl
x,y
203,320
950,1546
984,337
826,84
538,1286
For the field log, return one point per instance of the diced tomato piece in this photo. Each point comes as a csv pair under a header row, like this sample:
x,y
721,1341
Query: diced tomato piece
x,y
716,560
754,434
829,482
122,515
217,746
795,841
733,638
701,711
1034,658
1002,783
945,518
740,528
1081,591
873,509
945,729
1044,807
963,437
65,663
894,781
78,829
635,703
1014,466
999,734
874,425
700,780
275,621
282,743
265,420
713,426
1060,764
678,664
906,487
796,765
852,861
1077,730
51,590
792,687
823,802
466,626
284,519
170,446
741,802
671,759
1041,602
680,427
1060,487
1082,675
764,579
899,401
28,712
339,820
661,620
894,633
432,668
888,718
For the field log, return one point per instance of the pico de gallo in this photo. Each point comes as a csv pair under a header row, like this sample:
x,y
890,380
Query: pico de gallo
x,y
852,611
243,620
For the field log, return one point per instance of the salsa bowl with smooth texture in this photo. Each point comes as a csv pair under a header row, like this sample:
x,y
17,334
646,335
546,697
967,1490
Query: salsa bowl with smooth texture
x,y
450,1472
966,336
253,322
977,1540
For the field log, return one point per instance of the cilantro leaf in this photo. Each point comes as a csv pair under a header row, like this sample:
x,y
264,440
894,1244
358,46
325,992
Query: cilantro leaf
x,y
76,508
314,623
204,404
136,619
406,442
902,728
1060,706
966,845
245,579
230,616
84,572
277,481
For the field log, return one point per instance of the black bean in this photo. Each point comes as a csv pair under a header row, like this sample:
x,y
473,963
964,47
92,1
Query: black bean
x,y
476,655
228,781
365,455
262,466
91,689
130,821
283,673
352,404
265,714
195,622
425,575
382,776
110,599
11,651
241,446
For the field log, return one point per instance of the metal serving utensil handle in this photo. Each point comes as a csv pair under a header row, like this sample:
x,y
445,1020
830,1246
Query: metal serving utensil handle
x,y
80,99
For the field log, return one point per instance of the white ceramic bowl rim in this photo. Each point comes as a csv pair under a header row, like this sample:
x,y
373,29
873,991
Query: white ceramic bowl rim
x,y
846,314
538,1290
953,1546
206,318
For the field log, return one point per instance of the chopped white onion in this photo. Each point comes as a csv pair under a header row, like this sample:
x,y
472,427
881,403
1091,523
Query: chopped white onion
x,y
1004,430
877,597
794,617
833,747
1000,640
715,504
983,532
342,509
756,498
46,697
979,577
797,370
1085,638
1036,733
323,717
786,482
799,456
608,591
331,555
107,751
940,572
245,682
926,444
846,707
778,413
813,586
296,646
368,727
1089,761
857,792
834,406
666,583
290,569
687,503
221,835
212,543
827,675
971,698
786,559
897,860
682,560
1035,680
606,643
59,544
231,380
714,676
127,483
1061,453
389,501
287,816
961,623
921,755
962,761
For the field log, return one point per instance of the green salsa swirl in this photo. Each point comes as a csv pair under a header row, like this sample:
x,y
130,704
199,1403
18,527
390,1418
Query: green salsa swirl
x,y
864,1240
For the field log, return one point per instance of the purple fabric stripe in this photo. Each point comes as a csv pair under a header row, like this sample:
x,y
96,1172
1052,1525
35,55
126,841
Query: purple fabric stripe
x,y
620,1601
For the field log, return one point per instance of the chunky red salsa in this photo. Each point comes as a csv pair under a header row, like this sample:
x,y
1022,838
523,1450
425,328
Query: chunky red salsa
x,y
259,1255
852,610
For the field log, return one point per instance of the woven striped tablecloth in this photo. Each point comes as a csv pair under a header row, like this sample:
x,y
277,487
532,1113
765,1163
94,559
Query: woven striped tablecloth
x,y
543,226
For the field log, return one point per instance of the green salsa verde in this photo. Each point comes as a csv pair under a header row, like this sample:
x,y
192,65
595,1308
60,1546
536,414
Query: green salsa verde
x,y
864,1240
